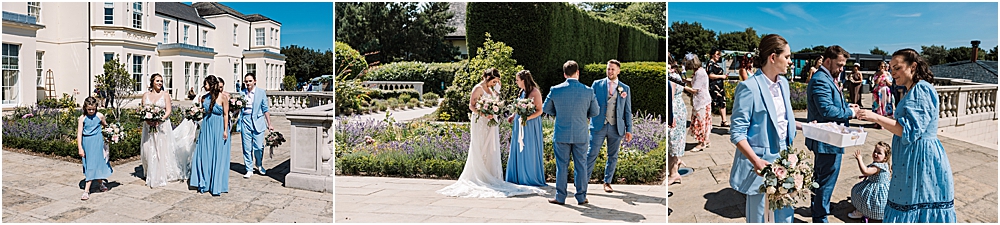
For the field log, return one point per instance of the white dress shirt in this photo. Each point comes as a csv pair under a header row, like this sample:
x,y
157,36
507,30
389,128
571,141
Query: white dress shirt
x,y
779,105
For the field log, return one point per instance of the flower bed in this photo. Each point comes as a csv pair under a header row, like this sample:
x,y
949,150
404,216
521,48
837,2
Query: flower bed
x,y
439,150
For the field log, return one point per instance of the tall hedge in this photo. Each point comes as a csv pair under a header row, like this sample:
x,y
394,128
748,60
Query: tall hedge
x,y
547,34
436,76
348,61
646,79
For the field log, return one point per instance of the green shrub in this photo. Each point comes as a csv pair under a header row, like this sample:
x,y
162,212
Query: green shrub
x,y
405,98
387,94
348,61
431,97
436,76
644,78
350,95
65,102
550,33
491,55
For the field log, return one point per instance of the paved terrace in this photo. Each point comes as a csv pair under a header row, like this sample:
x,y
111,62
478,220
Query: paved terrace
x,y
39,189
705,196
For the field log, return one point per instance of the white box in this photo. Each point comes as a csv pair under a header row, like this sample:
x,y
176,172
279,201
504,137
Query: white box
x,y
813,131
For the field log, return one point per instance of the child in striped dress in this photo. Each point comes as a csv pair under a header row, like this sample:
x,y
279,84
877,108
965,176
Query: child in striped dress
x,y
869,196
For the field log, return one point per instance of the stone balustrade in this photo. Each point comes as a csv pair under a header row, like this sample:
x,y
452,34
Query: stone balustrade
x,y
311,164
281,102
396,85
963,104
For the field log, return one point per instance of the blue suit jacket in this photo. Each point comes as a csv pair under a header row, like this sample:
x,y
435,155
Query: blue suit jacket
x,y
259,108
753,119
623,108
825,104
573,104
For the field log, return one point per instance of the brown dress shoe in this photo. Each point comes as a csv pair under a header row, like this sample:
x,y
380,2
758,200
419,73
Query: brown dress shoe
x,y
607,188
585,201
553,201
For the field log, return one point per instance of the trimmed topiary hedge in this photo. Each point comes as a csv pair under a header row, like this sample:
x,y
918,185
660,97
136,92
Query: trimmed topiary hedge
x,y
436,76
645,78
547,34
492,54
348,60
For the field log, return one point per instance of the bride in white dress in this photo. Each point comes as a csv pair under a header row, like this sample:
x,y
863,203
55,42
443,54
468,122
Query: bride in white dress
x,y
482,176
159,157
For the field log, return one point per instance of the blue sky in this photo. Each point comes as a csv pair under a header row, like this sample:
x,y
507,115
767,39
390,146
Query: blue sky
x,y
856,26
308,24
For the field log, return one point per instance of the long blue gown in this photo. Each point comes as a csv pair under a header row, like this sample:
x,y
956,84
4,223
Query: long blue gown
x,y
95,164
922,188
526,167
210,162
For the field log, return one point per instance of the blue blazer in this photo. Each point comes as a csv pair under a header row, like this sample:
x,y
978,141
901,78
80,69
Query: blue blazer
x,y
259,108
753,119
573,104
825,104
623,108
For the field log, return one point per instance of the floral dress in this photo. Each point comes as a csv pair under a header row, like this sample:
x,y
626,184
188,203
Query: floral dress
x,y
869,196
883,103
679,132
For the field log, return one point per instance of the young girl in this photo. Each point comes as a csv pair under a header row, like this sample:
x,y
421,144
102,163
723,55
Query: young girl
x,y
869,196
90,142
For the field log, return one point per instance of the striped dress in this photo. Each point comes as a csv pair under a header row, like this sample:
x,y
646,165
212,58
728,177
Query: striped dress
x,y
869,196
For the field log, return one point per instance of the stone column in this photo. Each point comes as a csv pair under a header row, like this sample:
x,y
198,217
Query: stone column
x,y
312,149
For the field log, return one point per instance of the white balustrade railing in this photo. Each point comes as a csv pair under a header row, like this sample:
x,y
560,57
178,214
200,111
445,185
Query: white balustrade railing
x,y
311,164
281,102
397,85
964,104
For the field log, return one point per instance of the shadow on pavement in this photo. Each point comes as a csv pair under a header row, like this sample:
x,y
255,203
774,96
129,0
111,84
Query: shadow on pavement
x,y
631,198
277,173
727,203
139,172
94,187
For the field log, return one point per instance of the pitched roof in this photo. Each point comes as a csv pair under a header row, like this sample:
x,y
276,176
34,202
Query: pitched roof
x,y
980,71
215,8
258,17
458,21
181,11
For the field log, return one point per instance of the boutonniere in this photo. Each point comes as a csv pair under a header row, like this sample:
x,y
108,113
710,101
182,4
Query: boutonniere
x,y
621,91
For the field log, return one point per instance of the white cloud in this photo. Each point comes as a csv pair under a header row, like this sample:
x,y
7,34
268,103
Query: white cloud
x,y
773,12
796,10
907,15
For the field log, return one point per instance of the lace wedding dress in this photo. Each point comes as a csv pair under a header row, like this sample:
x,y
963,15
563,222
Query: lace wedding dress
x,y
159,159
482,176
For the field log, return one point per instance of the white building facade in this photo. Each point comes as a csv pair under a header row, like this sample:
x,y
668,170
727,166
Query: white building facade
x,y
51,48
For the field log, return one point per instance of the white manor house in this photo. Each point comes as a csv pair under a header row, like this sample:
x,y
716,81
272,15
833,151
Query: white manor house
x,y
51,48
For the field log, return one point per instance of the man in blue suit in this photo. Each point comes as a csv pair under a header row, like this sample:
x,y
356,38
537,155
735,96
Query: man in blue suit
x,y
826,103
252,125
573,104
612,123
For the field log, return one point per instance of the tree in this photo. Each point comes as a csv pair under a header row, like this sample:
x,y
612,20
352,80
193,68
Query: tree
x,y
934,54
992,56
305,63
963,53
493,54
604,9
289,83
877,51
396,31
648,16
690,38
119,84
746,40
815,49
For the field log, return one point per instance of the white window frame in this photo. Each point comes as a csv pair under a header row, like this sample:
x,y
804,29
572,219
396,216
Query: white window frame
x,y
39,68
11,72
166,31
35,9
235,34
186,28
137,71
196,76
109,13
259,39
168,76
204,38
204,70
187,76
137,15
252,68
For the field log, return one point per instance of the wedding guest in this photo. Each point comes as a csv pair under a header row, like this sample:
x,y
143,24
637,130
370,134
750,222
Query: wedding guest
x,y
869,195
814,68
701,117
854,84
614,122
882,101
922,188
826,104
763,126
525,164
90,145
206,171
678,125
255,119
746,66
716,85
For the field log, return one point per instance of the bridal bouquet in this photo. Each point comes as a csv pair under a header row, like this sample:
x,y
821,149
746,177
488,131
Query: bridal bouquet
x,y
152,113
237,102
273,140
524,108
113,133
195,113
490,105
788,180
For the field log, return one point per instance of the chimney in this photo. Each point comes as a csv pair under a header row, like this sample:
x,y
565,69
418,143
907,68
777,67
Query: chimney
x,y
975,50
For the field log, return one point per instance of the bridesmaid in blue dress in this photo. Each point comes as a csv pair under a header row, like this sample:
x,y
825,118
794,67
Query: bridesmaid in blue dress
x,y
207,171
526,166
91,142
922,188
